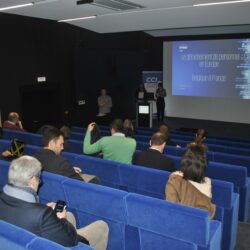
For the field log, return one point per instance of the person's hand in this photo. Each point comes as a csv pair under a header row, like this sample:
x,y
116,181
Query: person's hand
x,y
20,124
62,214
7,153
90,126
51,204
77,170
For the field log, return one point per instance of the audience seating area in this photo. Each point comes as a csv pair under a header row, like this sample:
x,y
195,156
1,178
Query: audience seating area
x,y
161,225
135,189
233,167
152,182
13,237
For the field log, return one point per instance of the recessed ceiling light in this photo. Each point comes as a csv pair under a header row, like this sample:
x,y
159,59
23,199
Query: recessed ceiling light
x,y
218,3
76,19
16,6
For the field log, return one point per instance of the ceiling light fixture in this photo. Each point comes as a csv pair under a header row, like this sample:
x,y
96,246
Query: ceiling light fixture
x,y
16,6
219,3
76,19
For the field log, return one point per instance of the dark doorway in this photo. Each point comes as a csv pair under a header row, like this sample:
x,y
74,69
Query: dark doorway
x,y
41,104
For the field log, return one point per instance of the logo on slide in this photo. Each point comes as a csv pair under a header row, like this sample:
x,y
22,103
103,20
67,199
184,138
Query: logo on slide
x,y
152,79
183,47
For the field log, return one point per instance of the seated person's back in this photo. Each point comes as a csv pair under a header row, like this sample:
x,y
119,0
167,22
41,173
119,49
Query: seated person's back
x,y
13,122
189,186
116,147
153,156
19,205
53,162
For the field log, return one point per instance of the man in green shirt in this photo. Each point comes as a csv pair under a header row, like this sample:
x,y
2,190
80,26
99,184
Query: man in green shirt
x,y
116,147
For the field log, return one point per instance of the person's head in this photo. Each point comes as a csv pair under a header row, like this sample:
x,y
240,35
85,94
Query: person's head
x,y
141,87
103,92
200,136
127,124
53,139
66,132
116,126
25,172
194,163
160,85
158,141
164,128
14,117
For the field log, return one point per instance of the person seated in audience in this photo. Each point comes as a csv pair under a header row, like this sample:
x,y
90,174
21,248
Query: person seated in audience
x,y
164,129
66,135
116,147
19,205
53,162
189,186
13,122
95,135
153,157
200,136
128,128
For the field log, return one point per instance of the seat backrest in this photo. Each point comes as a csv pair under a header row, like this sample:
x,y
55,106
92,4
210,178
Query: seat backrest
x,y
26,137
233,159
142,180
94,202
13,237
51,188
4,169
106,170
166,218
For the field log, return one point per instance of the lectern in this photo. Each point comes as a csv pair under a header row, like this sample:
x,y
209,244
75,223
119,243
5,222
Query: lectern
x,y
144,114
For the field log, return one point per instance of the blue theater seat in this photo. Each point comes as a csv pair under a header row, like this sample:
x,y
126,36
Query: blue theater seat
x,y
90,202
16,238
178,221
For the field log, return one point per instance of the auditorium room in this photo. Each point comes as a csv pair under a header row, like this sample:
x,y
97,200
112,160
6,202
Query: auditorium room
x,y
125,124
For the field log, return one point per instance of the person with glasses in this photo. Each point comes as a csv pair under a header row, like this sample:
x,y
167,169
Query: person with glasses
x,y
19,205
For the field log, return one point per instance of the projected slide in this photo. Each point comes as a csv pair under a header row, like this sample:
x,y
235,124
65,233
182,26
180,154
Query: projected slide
x,y
212,68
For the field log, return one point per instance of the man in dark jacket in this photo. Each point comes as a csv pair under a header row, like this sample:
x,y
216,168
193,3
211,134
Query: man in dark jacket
x,y
153,156
53,162
19,206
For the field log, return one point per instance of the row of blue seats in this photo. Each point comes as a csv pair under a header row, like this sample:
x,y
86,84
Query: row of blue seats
x,y
152,182
16,238
241,183
178,136
182,142
76,146
135,221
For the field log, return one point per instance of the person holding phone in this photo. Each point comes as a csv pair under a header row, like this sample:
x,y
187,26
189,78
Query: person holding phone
x,y
19,205
13,122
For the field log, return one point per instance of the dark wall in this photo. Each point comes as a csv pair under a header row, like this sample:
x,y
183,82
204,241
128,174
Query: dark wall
x,y
32,48
114,62
80,61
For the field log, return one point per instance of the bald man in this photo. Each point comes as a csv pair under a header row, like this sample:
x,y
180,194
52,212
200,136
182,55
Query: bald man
x,y
13,122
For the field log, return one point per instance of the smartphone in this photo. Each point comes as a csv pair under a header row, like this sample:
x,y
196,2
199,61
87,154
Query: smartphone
x,y
60,206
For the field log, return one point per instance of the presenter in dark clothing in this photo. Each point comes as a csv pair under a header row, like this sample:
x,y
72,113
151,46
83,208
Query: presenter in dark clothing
x,y
153,156
160,102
